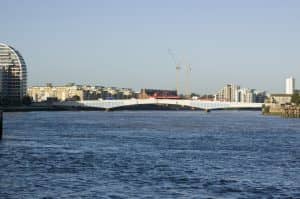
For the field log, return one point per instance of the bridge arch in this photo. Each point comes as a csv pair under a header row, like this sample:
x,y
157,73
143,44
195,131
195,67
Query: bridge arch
x,y
183,104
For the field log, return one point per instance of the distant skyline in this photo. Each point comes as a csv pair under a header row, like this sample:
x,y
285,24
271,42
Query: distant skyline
x,y
125,43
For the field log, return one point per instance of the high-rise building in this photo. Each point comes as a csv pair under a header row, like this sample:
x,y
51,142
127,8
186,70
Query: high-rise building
x,y
289,86
234,93
246,95
13,75
229,93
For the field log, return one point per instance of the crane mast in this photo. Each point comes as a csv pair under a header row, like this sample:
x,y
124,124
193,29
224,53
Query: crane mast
x,y
187,81
188,70
177,67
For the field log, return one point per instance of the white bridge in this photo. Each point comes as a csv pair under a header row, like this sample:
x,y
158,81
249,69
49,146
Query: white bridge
x,y
196,104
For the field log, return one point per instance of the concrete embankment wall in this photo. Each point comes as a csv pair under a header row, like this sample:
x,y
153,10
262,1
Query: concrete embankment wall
x,y
286,111
271,109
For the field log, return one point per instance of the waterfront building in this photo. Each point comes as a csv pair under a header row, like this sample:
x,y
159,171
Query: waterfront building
x,y
234,93
116,93
246,95
60,93
72,92
158,94
229,93
289,86
280,99
260,97
13,75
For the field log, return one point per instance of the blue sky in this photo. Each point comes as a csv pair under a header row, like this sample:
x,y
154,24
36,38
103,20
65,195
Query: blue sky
x,y
125,43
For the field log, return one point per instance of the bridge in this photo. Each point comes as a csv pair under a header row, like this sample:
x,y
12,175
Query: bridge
x,y
194,104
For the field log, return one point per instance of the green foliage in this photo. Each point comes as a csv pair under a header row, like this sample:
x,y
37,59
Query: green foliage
x,y
296,98
74,98
265,109
195,95
26,100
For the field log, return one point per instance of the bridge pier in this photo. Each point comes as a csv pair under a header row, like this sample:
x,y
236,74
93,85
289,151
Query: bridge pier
x,y
207,110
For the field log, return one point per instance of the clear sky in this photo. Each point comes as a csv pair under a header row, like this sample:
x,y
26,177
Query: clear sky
x,y
125,43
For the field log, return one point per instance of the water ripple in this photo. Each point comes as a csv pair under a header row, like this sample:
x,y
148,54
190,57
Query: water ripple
x,y
146,154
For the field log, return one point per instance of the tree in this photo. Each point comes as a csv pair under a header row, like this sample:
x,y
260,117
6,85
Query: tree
x,y
195,95
73,98
76,98
26,100
295,98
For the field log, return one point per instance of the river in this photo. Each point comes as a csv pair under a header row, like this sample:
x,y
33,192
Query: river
x,y
149,154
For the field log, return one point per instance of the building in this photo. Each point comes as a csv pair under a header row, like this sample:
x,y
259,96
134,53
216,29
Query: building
x,y
234,93
229,93
117,93
13,75
158,94
274,104
280,99
260,97
246,95
60,93
289,86
72,92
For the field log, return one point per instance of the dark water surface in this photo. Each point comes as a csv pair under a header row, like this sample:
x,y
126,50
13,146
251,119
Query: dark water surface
x,y
149,154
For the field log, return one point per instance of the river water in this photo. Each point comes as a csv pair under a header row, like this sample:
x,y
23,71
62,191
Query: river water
x,y
149,154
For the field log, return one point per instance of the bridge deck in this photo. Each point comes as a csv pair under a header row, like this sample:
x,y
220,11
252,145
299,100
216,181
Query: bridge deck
x,y
206,105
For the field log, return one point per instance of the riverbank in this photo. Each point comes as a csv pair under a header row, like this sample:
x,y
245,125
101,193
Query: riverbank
x,y
141,107
43,108
290,112
286,111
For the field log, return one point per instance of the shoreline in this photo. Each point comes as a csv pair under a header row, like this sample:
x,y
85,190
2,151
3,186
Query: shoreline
x,y
285,111
35,108
44,108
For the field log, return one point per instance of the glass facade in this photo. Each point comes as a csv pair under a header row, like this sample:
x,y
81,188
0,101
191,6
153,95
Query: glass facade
x,y
13,74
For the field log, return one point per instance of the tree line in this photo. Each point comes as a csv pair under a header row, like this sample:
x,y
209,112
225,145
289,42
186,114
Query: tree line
x,y
295,99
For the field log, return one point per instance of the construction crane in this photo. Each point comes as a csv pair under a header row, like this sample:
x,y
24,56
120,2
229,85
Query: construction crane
x,y
178,68
187,80
188,70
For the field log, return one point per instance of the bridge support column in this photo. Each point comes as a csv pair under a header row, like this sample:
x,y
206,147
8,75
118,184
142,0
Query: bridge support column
x,y
1,124
207,110
107,110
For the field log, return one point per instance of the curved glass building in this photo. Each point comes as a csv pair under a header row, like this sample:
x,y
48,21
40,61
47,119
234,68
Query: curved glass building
x,y
13,75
